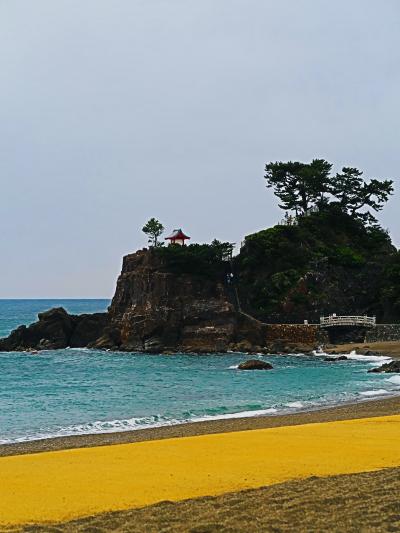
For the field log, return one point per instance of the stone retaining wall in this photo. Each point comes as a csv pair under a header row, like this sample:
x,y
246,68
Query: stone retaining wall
x,y
299,333
383,332
314,334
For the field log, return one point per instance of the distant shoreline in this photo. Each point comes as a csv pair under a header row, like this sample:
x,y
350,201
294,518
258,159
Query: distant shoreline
x,y
361,409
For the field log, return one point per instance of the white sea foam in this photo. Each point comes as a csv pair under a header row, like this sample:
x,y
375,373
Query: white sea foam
x,y
234,367
117,426
367,358
296,405
99,426
394,379
241,414
371,358
354,356
319,351
377,392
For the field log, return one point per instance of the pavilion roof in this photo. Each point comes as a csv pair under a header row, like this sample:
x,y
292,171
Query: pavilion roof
x,y
177,234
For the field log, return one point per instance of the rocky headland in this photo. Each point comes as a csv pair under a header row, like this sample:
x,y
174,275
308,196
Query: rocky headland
x,y
154,310
157,309
196,299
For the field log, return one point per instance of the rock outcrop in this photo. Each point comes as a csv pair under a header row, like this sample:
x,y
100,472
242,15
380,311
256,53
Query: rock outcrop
x,y
391,368
154,310
157,310
199,299
255,364
56,329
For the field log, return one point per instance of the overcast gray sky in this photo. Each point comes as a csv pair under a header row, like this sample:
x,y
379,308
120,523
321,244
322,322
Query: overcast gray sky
x,y
114,111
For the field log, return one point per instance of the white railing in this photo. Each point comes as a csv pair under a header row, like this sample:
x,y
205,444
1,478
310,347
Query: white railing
x,y
335,320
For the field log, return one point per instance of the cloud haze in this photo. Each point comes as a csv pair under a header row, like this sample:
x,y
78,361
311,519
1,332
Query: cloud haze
x,y
116,111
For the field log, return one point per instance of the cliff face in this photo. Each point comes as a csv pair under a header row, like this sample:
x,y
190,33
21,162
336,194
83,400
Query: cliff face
x,y
178,300
155,310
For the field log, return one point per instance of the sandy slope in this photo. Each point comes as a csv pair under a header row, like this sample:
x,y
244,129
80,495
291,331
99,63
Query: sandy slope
x,y
66,484
366,502
390,348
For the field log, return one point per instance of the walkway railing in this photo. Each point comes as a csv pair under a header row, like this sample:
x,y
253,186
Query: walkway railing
x,y
335,320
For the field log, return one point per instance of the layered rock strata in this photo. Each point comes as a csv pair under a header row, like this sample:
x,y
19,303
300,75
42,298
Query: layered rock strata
x,y
155,310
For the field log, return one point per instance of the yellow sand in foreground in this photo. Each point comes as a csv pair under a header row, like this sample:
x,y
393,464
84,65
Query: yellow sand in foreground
x,y
71,483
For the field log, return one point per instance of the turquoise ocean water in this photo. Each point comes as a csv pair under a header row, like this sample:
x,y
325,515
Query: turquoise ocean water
x,y
80,391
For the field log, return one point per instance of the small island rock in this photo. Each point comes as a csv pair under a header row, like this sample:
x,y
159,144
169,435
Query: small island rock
x,y
392,367
255,364
340,358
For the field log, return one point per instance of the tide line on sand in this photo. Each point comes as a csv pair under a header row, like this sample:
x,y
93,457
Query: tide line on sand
x,y
66,484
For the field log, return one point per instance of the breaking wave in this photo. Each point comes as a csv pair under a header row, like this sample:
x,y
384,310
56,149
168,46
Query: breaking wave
x,y
295,405
131,424
377,392
394,379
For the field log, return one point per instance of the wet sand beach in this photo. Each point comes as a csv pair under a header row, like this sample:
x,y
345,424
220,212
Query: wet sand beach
x,y
389,348
364,409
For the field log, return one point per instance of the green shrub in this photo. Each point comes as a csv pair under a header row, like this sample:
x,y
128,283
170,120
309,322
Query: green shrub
x,y
207,260
346,256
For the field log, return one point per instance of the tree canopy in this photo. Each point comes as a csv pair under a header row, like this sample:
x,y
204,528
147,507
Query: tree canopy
x,y
304,186
153,229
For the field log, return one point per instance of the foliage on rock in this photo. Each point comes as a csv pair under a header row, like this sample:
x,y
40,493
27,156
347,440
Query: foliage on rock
x,y
390,289
329,262
153,229
303,187
206,260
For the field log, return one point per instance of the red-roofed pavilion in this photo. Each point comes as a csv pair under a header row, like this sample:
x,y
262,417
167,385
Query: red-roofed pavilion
x,y
177,237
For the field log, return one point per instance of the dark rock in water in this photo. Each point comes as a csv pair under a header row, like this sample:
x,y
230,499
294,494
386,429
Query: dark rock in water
x,y
52,331
56,329
109,339
340,358
299,347
88,328
243,346
392,367
276,347
280,346
255,364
